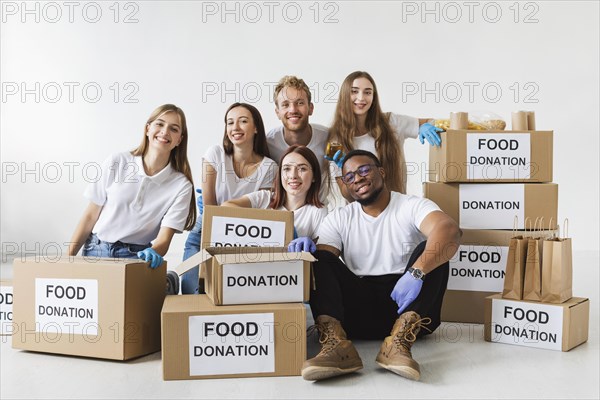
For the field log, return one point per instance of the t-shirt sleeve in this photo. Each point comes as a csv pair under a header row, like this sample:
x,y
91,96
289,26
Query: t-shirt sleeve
x,y
177,214
404,126
96,191
260,199
329,232
421,209
214,156
267,174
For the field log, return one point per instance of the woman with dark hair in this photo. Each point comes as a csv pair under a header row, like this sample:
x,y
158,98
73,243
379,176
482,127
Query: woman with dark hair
x,y
240,165
296,188
143,196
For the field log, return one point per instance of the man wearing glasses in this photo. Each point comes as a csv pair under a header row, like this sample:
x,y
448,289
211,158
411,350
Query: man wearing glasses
x,y
395,249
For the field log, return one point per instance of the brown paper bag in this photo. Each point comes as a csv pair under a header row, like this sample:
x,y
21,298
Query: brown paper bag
x,y
532,286
557,270
515,268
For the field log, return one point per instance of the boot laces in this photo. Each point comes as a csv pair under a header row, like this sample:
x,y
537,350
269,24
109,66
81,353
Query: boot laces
x,y
327,337
406,336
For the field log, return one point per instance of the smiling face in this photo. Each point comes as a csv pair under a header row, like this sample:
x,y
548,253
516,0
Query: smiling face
x,y
164,133
364,189
293,108
296,175
240,126
361,96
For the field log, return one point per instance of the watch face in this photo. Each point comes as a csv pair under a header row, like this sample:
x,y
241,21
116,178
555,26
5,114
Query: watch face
x,y
417,273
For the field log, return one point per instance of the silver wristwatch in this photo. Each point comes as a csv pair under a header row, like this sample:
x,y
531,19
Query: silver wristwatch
x,y
416,273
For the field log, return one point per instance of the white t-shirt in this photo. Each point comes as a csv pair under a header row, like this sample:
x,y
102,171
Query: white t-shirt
x,y
307,218
134,205
403,126
377,245
318,143
228,185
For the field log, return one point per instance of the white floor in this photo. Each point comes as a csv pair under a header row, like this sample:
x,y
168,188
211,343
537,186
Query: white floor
x,y
455,363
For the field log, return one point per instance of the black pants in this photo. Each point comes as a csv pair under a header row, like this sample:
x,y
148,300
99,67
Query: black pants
x,y
364,305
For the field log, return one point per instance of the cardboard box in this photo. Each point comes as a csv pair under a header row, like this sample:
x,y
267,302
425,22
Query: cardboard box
x,y
476,272
492,156
239,227
495,205
253,275
93,307
533,324
6,308
201,340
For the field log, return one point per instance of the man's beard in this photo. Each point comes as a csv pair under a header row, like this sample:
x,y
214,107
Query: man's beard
x,y
371,199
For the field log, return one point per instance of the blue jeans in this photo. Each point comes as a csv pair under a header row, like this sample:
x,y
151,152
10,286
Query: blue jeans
x,y
189,280
94,247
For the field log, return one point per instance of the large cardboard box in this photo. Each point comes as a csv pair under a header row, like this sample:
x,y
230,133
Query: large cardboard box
x,y
6,307
476,272
201,340
239,227
93,307
492,156
495,205
253,275
533,324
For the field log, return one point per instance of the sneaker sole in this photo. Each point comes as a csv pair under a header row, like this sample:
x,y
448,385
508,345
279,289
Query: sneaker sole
x,y
318,373
405,372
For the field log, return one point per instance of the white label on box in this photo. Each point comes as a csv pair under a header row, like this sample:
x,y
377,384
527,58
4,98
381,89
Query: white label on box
x,y
231,344
233,232
68,306
271,282
498,156
491,206
6,307
478,268
527,324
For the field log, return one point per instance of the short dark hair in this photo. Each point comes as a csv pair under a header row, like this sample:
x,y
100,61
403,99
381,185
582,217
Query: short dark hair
x,y
354,153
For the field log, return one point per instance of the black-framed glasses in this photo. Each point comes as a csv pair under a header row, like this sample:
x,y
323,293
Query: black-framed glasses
x,y
363,170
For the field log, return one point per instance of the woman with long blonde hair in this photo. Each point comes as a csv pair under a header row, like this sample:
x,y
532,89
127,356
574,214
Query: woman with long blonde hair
x,y
360,124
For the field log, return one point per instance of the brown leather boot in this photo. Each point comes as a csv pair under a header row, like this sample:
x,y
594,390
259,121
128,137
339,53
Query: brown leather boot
x,y
394,353
338,355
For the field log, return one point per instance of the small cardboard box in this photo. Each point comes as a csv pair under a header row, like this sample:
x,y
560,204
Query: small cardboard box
x,y
253,275
533,324
476,272
6,307
250,227
201,340
92,307
495,205
492,156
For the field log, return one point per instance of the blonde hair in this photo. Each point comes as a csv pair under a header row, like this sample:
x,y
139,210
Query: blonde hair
x,y
291,81
388,148
177,158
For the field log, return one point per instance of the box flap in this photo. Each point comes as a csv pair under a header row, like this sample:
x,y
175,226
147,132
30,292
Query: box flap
x,y
257,254
191,262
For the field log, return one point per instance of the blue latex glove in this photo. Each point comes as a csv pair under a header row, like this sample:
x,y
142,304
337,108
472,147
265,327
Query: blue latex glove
x,y
152,256
406,291
303,243
200,202
338,158
430,132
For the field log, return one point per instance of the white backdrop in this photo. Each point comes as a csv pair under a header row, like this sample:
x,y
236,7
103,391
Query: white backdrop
x,y
79,79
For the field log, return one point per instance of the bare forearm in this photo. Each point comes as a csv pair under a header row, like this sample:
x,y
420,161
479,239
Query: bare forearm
x,y
441,246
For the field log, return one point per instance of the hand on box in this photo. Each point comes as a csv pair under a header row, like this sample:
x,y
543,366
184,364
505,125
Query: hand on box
x,y
430,132
303,243
338,158
406,291
150,255
200,202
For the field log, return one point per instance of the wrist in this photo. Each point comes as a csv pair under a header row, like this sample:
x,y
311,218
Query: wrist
x,y
416,273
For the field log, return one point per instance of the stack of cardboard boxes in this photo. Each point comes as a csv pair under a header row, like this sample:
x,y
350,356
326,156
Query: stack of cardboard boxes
x,y
485,181
251,321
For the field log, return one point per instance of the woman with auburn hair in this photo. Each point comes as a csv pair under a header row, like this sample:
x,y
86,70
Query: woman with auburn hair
x,y
143,196
296,188
240,165
359,124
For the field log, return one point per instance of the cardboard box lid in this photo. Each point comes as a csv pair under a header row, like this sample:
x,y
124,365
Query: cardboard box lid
x,y
231,255
572,302
194,304
83,262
